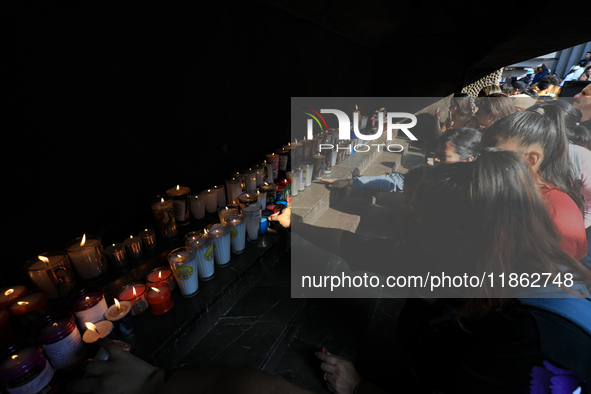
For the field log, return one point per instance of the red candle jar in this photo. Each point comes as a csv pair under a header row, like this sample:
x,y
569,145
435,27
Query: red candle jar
x,y
31,302
7,333
161,274
89,306
160,298
9,295
27,371
136,295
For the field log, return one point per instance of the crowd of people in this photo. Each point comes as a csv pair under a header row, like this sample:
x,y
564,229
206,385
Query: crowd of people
x,y
509,191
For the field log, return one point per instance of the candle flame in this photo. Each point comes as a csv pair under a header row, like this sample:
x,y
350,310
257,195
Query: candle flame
x,y
134,293
160,275
161,199
15,356
44,259
8,292
83,240
22,303
87,298
178,187
296,140
55,324
91,327
205,231
155,289
131,236
117,304
356,108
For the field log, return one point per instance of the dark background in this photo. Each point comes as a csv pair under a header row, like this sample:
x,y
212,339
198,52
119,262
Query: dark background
x,y
108,104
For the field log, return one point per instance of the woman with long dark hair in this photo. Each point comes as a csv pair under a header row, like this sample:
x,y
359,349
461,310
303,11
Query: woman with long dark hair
x,y
538,134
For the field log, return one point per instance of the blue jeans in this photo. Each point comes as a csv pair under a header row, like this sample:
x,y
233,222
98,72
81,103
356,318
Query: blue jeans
x,y
380,183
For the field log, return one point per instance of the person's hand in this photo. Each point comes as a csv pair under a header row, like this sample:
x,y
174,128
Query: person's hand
x,y
335,183
283,217
122,373
340,375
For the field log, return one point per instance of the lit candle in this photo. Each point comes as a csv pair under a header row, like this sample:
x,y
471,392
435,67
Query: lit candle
x,y
88,256
296,181
135,293
164,216
247,199
226,211
27,371
221,190
116,254
62,341
251,180
160,299
89,305
262,197
148,237
203,247
95,331
252,216
309,173
221,238
52,273
296,152
120,315
267,171
259,171
161,274
30,303
198,206
234,189
183,263
211,200
274,160
9,295
271,190
180,200
134,247
237,233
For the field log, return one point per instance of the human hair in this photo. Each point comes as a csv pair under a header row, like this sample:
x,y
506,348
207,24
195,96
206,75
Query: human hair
x,y
519,85
575,131
465,141
503,224
541,124
488,90
464,102
497,104
414,175
547,81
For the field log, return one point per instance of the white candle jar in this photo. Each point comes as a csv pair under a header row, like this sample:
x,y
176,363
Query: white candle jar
x,y
203,247
52,273
87,256
222,240
183,263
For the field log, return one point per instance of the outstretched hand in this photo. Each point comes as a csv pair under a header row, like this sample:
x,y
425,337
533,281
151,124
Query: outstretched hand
x,y
122,373
335,183
283,217
340,375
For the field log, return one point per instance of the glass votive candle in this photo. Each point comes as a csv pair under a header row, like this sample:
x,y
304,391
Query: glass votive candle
x,y
181,204
35,303
11,294
271,190
89,305
260,174
198,206
116,254
237,233
52,273
296,181
248,199
161,274
87,256
120,315
309,173
267,172
164,216
222,241
96,331
61,340
211,200
134,247
160,299
262,197
183,263
233,189
221,193
273,158
148,237
226,211
252,217
203,247
25,368
135,293
250,180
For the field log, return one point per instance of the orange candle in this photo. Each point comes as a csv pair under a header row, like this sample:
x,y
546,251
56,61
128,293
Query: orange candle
x,y
160,299
29,303
10,295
